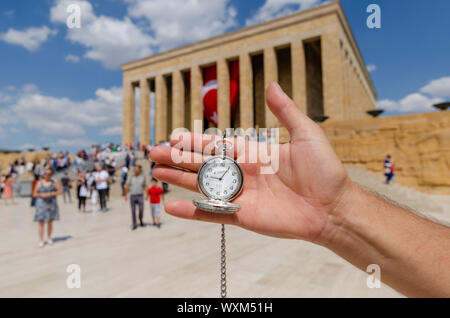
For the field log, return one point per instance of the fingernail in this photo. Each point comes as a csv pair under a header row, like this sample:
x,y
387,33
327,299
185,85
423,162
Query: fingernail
x,y
277,86
279,89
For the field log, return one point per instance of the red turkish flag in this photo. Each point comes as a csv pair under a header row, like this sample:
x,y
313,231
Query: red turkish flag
x,y
209,91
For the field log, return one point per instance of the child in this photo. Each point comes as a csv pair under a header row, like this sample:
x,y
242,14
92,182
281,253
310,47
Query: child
x,y
155,193
8,192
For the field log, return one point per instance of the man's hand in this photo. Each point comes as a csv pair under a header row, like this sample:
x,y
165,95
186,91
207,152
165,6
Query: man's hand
x,y
311,197
295,202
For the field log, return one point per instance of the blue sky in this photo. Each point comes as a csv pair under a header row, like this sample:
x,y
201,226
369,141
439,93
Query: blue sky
x,y
62,88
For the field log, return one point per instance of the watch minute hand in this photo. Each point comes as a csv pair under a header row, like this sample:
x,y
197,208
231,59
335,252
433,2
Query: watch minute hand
x,y
224,174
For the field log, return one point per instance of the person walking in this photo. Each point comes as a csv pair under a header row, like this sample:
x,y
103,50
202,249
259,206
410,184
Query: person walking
x,y
8,192
136,186
66,186
2,184
36,169
155,193
123,178
47,211
101,178
388,169
127,160
82,191
33,186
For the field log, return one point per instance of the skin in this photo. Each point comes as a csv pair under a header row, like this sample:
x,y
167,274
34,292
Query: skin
x,y
314,200
46,181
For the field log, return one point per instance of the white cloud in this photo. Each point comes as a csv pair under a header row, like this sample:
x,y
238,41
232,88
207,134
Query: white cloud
x,y
31,38
65,117
72,58
30,88
112,131
74,143
439,87
160,25
108,40
7,117
175,22
58,13
432,93
371,68
272,9
412,103
5,98
15,130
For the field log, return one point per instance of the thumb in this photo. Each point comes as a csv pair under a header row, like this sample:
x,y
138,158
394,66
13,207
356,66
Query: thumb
x,y
287,112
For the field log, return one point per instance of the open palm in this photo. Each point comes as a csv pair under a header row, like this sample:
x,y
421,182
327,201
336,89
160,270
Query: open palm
x,y
294,202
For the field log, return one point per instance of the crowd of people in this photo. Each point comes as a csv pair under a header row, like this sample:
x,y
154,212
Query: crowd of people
x,y
86,176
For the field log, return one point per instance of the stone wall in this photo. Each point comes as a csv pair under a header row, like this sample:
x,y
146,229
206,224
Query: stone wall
x,y
419,144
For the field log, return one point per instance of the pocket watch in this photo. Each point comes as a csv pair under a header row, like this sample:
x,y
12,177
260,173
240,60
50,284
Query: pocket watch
x,y
220,179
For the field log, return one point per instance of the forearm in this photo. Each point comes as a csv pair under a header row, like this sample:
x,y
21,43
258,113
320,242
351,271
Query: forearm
x,y
412,252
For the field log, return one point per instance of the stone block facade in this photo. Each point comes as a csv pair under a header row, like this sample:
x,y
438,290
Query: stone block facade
x,y
419,144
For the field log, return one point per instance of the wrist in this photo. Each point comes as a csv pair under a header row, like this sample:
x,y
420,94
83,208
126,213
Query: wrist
x,y
347,218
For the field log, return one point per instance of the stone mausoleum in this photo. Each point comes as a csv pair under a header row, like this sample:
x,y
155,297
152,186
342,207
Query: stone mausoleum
x,y
312,54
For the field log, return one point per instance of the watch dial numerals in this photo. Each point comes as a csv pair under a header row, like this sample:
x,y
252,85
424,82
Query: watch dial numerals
x,y
220,179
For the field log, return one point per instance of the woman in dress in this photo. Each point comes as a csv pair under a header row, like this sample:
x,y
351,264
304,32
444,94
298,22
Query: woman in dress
x,y
8,192
46,191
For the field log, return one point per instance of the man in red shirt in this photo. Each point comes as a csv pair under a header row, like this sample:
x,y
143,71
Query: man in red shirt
x,y
155,194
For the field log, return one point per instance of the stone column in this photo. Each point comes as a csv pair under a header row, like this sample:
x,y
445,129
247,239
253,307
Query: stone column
x,y
270,75
246,91
144,113
196,96
223,95
177,100
128,113
331,76
161,109
298,66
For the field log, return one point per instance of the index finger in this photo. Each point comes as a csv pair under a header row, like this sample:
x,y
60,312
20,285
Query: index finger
x,y
204,143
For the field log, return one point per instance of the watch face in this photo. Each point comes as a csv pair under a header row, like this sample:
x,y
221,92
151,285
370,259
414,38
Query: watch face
x,y
220,178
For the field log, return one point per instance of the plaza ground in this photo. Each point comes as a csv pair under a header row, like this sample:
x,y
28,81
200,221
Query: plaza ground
x,y
182,258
